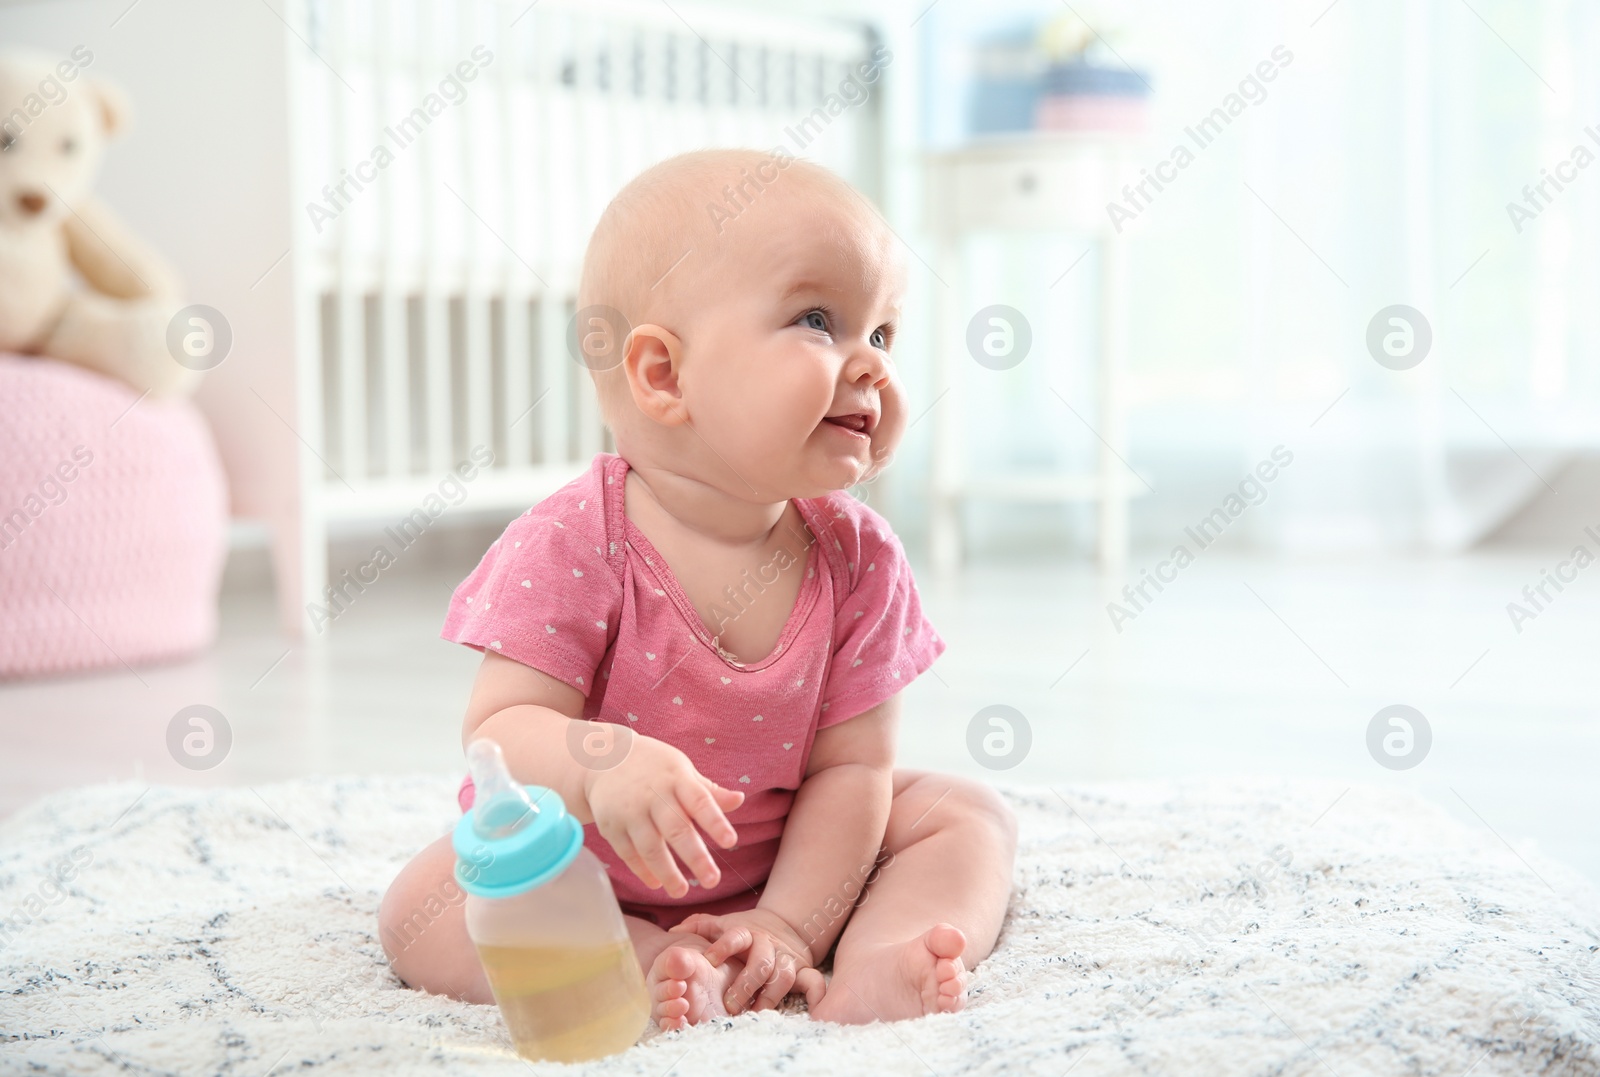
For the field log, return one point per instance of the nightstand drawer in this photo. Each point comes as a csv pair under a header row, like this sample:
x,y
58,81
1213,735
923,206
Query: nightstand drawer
x,y
1051,183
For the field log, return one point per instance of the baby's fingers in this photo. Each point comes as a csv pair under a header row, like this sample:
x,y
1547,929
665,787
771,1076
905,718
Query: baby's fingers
x,y
705,802
685,841
659,859
623,847
735,940
758,968
778,986
727,798
809,982
703,924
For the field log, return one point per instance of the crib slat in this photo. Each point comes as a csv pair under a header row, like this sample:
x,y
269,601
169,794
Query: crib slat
x,y
391,297
554,366
434,286
396,385
436,364
483,252
516,399
352,384
552,361
479,417
349,357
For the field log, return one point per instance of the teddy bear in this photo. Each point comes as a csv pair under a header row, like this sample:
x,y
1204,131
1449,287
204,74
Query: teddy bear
x,y
75,284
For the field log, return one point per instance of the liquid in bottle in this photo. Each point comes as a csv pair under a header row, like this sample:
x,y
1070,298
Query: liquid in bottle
x,y
542,914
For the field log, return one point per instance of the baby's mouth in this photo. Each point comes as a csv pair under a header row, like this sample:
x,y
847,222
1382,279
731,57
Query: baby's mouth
x,y
856,422
855,427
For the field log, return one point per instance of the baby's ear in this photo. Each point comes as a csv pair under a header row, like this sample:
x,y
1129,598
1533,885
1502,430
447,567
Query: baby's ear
x,y
650,360
115,112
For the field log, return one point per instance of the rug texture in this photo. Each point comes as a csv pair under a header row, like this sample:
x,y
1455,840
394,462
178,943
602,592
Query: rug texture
x,y
1214,928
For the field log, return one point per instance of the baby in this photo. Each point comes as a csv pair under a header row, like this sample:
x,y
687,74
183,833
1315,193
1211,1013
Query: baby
x,y
702,638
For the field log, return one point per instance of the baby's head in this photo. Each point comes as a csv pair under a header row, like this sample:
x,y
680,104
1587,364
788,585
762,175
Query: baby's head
x,y
733,303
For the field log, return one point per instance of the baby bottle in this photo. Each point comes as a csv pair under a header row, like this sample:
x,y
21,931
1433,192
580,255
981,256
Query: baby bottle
x,y
546,923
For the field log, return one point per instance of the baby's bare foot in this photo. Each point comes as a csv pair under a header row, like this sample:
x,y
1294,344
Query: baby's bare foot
x,y
899,980
685,988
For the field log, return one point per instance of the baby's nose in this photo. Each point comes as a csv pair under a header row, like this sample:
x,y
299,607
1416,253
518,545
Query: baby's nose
x,y
31,202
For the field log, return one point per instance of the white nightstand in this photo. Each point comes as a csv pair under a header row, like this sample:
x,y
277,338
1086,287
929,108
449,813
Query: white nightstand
x,y
1031,183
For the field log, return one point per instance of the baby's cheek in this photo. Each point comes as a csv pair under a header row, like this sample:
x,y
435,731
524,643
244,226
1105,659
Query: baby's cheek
x,y
774,418
891,423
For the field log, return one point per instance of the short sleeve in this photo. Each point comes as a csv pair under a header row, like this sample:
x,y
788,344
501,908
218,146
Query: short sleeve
x,y
546,593
882,640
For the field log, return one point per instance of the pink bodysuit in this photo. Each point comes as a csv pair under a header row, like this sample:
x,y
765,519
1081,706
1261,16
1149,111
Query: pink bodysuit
x,y
574,589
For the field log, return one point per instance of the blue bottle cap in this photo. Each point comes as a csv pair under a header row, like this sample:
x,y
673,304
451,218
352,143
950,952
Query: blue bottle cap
x,y
515,837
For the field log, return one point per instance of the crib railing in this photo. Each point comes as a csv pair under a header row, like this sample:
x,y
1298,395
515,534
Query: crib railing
x,y
454,157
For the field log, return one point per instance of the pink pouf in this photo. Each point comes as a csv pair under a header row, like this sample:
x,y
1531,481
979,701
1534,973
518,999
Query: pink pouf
x,y
113,523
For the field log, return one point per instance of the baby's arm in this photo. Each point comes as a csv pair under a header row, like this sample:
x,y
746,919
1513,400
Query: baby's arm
x,y
640,805
830,844
835,827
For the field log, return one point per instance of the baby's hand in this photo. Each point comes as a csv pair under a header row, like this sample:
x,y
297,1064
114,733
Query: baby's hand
x,y
776,960
643,807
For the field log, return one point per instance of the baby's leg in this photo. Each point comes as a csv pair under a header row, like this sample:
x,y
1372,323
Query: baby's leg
x,y
935,909
423,928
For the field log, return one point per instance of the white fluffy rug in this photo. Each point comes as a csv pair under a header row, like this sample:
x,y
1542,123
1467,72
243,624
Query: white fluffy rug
x,y
1175,929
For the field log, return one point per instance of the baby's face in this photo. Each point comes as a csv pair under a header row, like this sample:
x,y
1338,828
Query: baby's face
x,y
787,372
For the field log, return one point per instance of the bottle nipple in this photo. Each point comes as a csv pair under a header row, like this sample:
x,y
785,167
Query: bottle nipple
x,y
501,806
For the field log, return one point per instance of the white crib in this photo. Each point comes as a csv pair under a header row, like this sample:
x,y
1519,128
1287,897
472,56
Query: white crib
x,y
436,261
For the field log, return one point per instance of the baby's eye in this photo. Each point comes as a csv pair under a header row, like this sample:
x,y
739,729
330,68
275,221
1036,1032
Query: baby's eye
x,y
880,339
815,319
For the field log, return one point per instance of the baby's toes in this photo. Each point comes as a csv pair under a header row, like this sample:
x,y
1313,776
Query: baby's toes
x,y
669,1004
669,988
675,963
952,978
945,941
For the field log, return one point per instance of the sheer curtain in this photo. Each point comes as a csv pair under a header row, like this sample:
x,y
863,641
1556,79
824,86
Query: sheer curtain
x,y
1376,169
